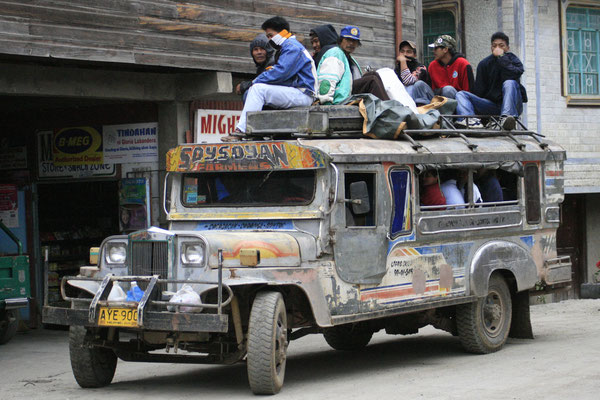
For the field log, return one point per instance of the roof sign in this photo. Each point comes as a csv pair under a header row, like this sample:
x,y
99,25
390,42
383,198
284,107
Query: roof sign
x,y
244,157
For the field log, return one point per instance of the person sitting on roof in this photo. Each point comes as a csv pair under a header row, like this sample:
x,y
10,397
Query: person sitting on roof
x,y
411,72
339,74
322,38
290,83
263,56
497,89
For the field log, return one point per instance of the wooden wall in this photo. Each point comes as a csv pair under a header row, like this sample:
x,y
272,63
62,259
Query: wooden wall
x,y
199,34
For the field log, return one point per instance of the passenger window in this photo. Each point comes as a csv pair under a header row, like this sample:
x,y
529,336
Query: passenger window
x,y
401,191
491,187
360,214
532,194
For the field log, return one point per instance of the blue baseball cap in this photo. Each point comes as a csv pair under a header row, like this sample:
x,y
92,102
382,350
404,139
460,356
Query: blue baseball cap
x,y
350,32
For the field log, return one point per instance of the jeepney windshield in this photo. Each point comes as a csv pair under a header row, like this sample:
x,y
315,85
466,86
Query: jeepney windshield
x,y
249,188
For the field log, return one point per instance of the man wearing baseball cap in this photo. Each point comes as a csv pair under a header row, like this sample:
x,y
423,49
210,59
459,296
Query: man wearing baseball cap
x,y
450,71
339,74
412,73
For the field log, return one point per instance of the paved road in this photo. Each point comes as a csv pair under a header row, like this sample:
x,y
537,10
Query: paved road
x,y
561,363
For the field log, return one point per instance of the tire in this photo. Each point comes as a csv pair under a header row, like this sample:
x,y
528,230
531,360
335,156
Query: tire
x,y
347,337
92,367
267,343
483,326
8,326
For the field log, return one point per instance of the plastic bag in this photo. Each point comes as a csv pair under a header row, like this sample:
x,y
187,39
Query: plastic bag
x,y
135,293
185,295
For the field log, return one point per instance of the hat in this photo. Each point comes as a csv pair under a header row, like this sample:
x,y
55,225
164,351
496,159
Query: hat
x,y
410,43
350,32
444,41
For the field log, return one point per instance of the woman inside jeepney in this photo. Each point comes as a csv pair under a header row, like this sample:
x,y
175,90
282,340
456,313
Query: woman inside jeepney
x,y
431,193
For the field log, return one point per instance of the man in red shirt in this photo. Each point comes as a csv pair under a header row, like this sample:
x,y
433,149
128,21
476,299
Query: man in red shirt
x,y
450,72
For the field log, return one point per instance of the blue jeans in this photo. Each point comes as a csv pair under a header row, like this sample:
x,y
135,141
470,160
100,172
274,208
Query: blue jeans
x,y
512,103
422,93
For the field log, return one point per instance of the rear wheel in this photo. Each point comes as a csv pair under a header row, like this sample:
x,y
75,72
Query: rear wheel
x,y
8,325
267,343
92,366
348,337
483,326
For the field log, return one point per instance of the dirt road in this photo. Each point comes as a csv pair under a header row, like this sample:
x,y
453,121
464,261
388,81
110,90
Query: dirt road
x,y
562,362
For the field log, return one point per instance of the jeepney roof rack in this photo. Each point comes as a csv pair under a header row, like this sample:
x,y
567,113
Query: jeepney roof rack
x,y
343,122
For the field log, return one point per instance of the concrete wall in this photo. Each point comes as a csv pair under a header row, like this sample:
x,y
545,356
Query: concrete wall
x,y
481,21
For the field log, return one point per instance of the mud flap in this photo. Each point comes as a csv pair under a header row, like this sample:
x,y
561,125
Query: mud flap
x,y
521,322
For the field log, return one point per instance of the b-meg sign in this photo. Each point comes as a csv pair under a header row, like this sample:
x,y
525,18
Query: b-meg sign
x,y
211,125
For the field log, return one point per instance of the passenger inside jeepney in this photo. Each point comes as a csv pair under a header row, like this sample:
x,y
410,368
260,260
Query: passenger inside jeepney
x,y
450,189
430,191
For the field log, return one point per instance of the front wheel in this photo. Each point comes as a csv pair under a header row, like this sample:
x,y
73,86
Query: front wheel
x,y
8,325
93,367
483,326
267,343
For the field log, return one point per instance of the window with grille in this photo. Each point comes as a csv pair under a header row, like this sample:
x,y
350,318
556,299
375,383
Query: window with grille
x,y
436,23
583,50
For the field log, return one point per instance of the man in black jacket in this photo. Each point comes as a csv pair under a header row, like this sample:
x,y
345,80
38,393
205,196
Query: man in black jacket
x,y
263,56
497,88
322,38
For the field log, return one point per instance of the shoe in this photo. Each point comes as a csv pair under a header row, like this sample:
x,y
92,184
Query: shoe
x,y
460,124
475,123
235,136
508,123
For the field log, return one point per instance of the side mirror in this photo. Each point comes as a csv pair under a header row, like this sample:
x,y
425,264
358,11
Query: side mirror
x,y
359,198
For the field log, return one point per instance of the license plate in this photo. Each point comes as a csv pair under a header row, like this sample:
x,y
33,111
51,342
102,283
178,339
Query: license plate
x,y
110,316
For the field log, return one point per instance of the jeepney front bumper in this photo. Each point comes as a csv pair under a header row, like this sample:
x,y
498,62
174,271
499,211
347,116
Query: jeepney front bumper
x,y
152,314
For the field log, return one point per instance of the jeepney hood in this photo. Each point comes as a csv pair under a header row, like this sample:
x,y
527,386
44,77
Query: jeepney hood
x,y
277,249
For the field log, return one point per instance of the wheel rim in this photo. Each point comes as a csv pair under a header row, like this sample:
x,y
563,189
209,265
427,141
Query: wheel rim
x,y
493,314
281,345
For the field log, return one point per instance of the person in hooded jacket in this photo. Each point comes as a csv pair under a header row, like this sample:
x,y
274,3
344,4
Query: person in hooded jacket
x,y
322,38
263,56
450,72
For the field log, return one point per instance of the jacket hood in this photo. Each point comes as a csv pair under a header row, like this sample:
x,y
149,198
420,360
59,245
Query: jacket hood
x,y
262,41
326,34
455,57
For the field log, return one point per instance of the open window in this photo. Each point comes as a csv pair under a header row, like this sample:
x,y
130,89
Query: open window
x,y
360,199
443,188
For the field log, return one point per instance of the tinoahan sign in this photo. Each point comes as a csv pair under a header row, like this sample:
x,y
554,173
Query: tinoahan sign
x,y
131,143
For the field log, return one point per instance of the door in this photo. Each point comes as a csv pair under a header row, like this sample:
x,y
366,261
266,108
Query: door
x,y
360,236
570,236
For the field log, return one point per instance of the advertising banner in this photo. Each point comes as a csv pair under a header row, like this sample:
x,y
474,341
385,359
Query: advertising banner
x,y
211,125
131,143
134,204
9,206
77,146
49,169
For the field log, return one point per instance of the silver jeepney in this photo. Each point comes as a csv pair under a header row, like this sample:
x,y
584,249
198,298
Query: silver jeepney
x,y
283,238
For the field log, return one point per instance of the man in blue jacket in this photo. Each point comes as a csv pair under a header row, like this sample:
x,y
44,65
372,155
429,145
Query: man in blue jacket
x,y
290,83
497,88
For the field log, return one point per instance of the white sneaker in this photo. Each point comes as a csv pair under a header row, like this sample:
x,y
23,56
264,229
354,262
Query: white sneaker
x,y
475,123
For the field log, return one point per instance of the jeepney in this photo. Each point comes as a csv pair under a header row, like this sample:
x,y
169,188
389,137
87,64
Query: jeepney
x,y
303,232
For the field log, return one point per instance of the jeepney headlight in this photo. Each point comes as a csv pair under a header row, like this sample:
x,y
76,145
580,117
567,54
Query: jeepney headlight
x,y
192,253
116,253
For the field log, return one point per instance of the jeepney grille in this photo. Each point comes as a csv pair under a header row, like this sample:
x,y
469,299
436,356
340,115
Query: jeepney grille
x,y
150,258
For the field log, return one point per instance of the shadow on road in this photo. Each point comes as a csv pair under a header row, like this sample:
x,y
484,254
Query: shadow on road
x,y
309,367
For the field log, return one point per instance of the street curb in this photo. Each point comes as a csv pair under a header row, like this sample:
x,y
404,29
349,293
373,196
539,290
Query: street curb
x,y
590,291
